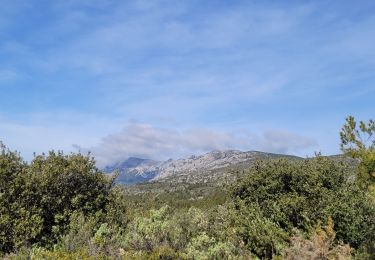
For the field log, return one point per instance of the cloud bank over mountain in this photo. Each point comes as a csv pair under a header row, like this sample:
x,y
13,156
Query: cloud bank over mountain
x,y
146,141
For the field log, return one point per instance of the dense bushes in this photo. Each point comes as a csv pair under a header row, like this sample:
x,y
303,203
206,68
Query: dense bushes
x,y
321,245
290,195
61,207
38,199
188,234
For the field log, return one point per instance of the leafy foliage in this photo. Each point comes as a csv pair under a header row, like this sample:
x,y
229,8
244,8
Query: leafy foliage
x,y
358,141
37,200
301,194
62,207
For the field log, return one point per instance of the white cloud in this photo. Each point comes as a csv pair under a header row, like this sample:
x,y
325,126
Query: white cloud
x,y
147,141
283,142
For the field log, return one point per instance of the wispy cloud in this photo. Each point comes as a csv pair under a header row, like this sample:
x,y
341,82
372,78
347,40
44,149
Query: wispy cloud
x,y
187,65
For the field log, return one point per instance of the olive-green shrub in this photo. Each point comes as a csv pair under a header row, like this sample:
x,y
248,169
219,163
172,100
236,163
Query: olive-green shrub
x,y
38,199
291,194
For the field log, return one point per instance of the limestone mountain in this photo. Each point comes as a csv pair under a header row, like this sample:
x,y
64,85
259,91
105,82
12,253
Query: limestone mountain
x,y
192,169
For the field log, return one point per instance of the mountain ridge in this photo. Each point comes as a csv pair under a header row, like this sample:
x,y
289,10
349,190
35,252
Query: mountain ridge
x,y
137,170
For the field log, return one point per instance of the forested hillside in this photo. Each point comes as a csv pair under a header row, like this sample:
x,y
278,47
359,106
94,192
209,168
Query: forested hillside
x,y
62,207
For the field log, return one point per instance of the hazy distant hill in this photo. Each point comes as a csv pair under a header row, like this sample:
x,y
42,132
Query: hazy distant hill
x,y
193,169
134,170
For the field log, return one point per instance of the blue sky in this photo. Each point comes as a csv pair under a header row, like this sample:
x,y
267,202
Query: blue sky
x,y
162,79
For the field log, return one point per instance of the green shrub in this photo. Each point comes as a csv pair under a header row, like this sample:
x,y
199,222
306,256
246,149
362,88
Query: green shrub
x,y
261,235
147,233
290,194
81,230
203,246
38,200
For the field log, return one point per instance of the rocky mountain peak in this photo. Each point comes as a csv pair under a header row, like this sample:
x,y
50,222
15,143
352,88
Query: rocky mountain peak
x,y
135,170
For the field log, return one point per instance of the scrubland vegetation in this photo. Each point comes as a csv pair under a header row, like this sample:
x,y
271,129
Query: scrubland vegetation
x,y
62,207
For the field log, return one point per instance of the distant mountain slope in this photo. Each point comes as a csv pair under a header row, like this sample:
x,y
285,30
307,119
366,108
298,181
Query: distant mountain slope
x,y
192,169
134,170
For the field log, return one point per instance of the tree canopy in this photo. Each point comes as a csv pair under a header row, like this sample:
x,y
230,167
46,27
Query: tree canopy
x,y
38,199
358,141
